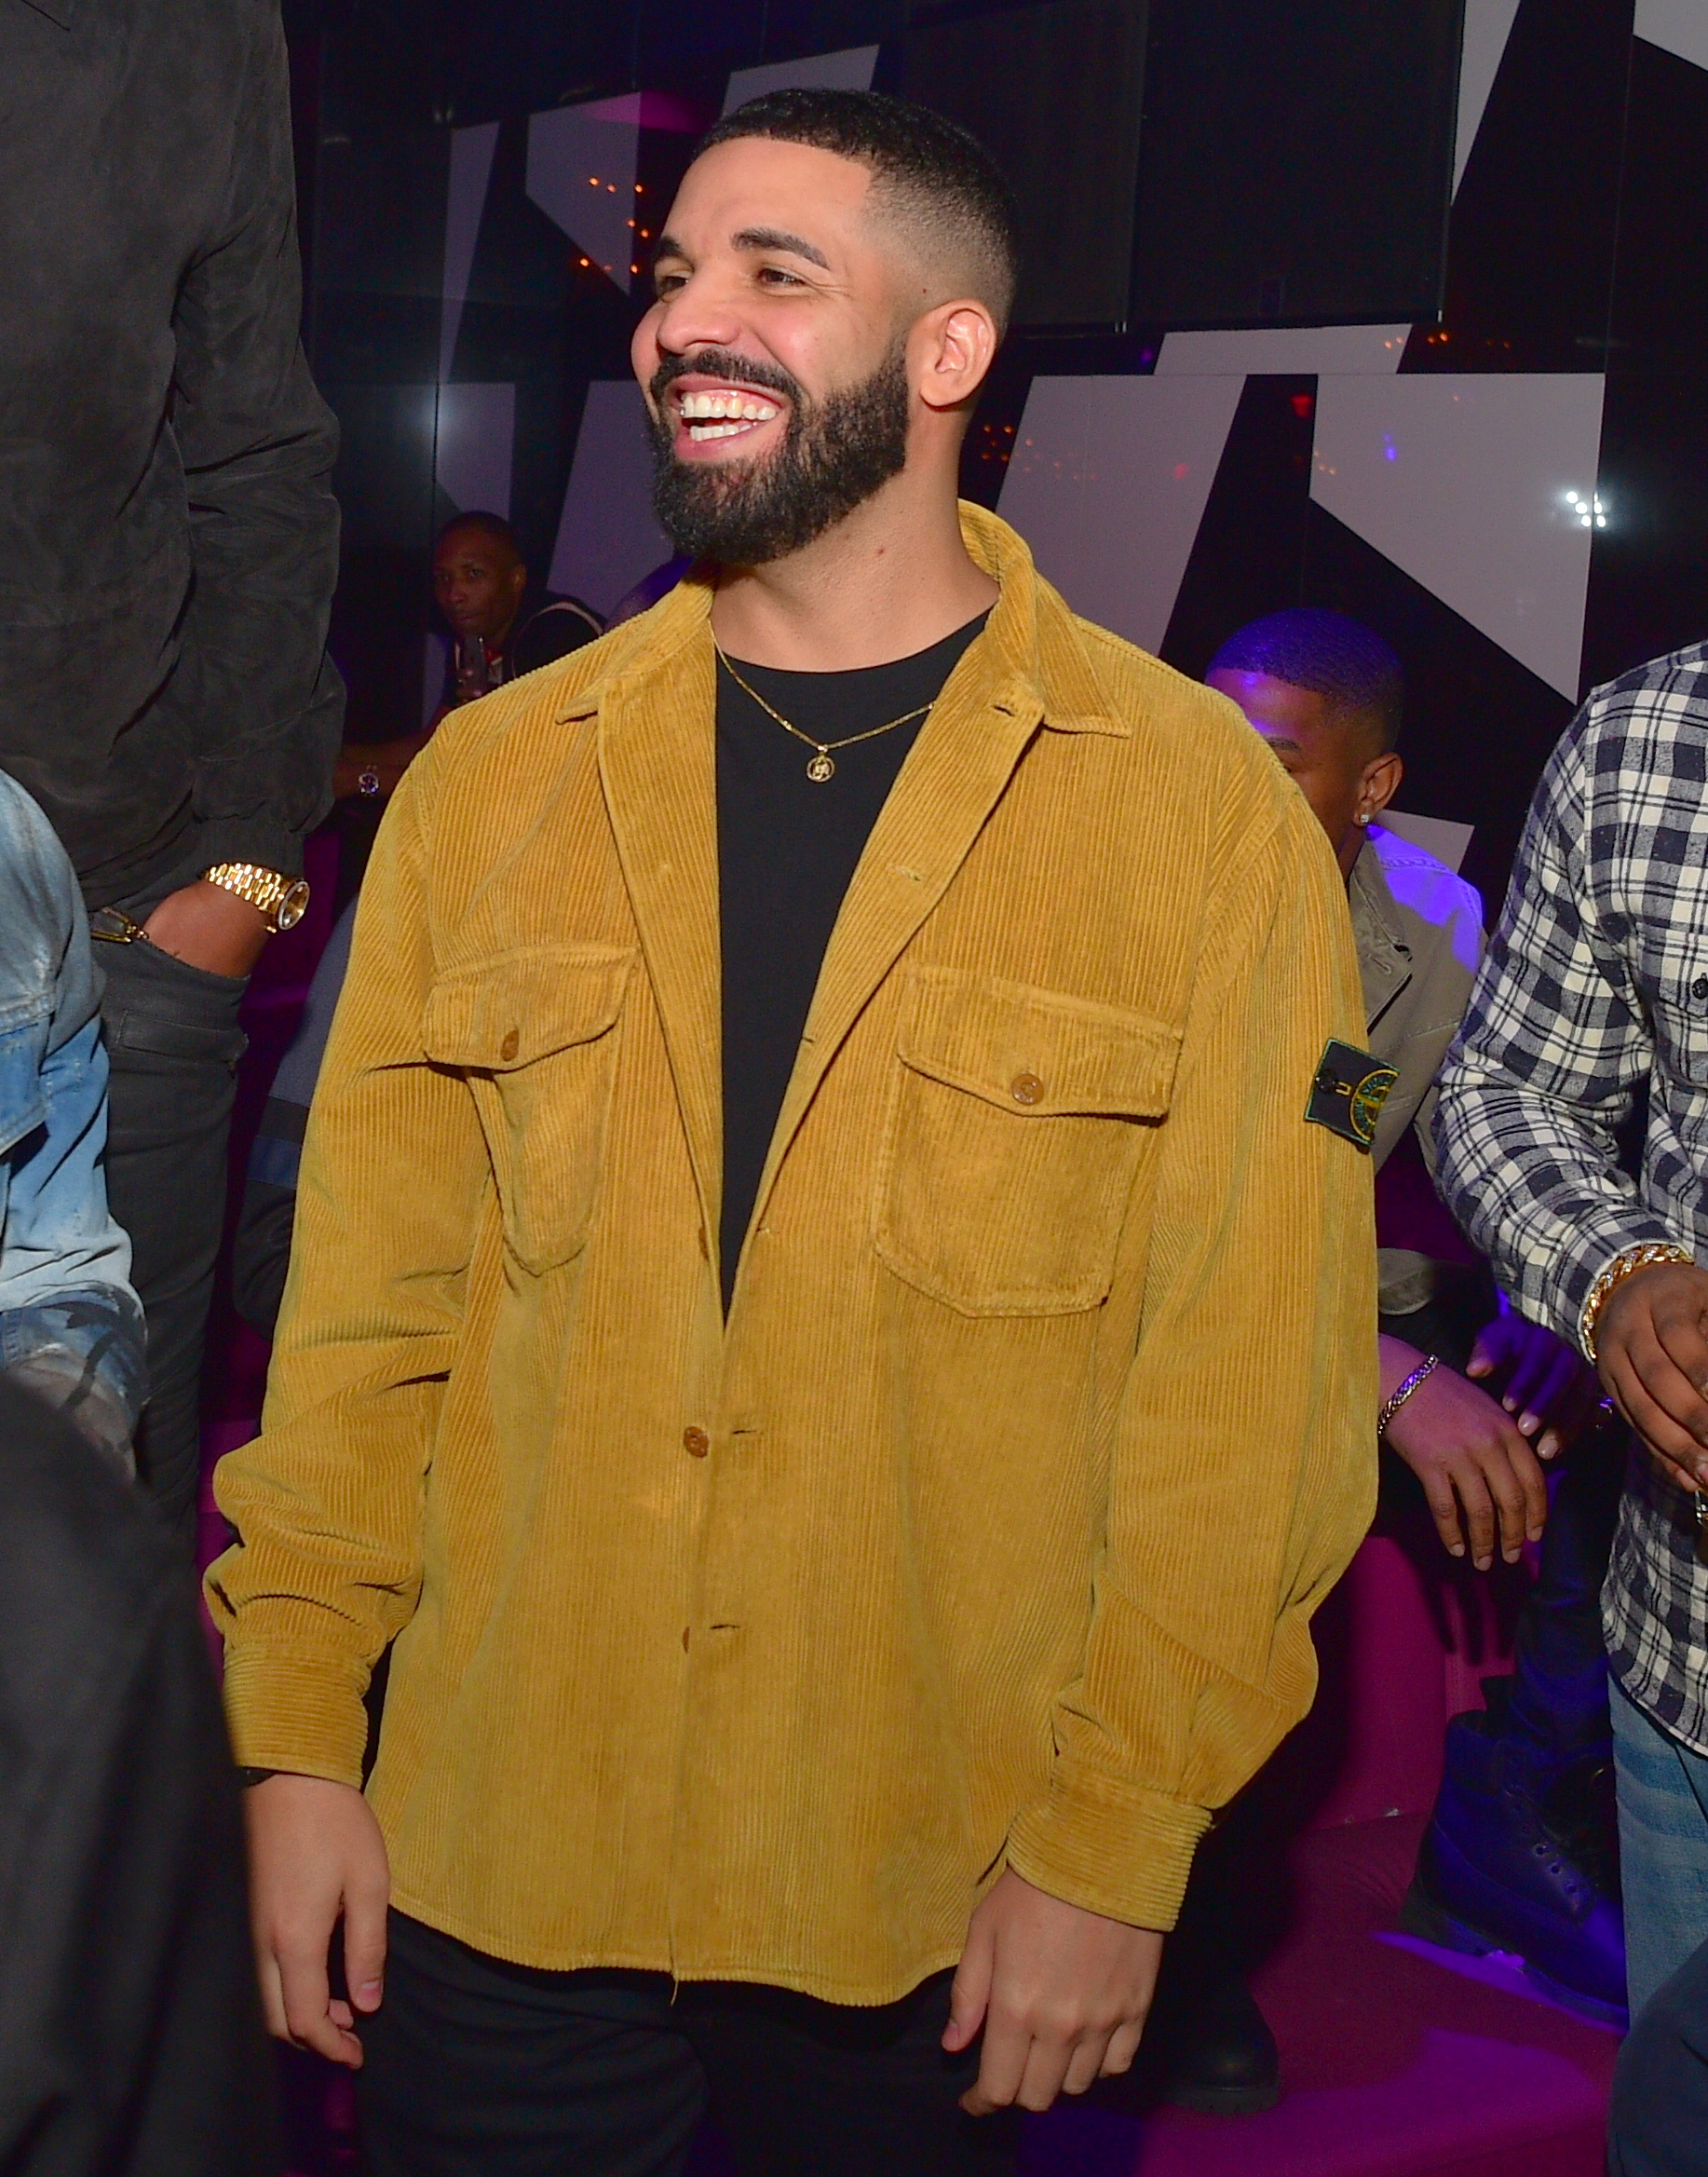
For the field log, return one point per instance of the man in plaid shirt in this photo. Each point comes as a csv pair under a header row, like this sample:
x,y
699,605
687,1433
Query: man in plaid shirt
x,y
1595,989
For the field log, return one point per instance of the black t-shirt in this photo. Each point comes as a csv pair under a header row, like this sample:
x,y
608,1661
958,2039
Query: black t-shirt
x,y
787,849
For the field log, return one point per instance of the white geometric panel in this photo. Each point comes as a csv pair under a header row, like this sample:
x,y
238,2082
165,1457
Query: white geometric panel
x,y
850,70
1488,24
1475,487
1436,834
1364,351
1107,483
608,537
473,445
471,166
581,162
1678,26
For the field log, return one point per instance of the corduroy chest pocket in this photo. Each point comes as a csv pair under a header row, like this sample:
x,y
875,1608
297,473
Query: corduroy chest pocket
x,y
1018,1118
531,1032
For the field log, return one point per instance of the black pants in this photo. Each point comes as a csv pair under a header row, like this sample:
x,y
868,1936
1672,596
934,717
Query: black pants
x,y
478,2069
1658,2119
173,1041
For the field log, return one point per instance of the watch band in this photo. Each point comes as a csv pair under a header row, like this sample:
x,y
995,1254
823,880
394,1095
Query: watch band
x,y
281,899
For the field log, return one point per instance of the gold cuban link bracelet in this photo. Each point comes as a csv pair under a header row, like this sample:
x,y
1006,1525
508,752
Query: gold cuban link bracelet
x,y
1624,1264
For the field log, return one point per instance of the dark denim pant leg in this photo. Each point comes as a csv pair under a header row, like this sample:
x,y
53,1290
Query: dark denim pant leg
x,y
1657,2123
174,1040
1559,1705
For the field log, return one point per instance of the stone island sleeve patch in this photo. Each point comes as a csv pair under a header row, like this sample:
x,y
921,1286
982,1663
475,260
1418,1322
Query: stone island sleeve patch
x,y
1348,1092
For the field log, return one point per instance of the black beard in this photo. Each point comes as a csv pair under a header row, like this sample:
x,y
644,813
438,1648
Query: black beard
x,y
834,455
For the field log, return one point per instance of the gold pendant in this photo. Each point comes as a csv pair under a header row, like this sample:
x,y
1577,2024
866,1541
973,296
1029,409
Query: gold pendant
x,y
820,768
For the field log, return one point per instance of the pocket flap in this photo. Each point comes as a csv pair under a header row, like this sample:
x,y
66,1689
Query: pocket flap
x,y
509,1010
1037,1053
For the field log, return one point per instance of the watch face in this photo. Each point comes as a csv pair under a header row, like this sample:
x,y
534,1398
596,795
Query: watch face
x,y
295,905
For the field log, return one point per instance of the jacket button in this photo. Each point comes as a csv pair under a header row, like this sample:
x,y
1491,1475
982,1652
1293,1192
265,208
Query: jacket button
x,y
1026,1088
510,1045
696,1443
1699,989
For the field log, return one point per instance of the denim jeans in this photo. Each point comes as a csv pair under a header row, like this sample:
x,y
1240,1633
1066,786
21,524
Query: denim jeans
x,y
1663,1849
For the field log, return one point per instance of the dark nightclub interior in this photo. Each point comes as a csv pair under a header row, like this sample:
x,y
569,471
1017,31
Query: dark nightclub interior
x,y
1384,312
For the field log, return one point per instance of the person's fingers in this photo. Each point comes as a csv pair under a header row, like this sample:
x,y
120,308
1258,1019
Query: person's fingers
x,y
364,1943
1542,1380
1123,2046
1508,1496
1676,1372
1486,1355
1533,1483
1443,1510
1667,1387
1663,1436
1002,2064
307,2003
1047,2062
1479,1513
1085,2062
970,1992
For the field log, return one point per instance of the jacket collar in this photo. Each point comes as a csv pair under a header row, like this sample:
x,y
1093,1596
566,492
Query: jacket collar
x,y
654,704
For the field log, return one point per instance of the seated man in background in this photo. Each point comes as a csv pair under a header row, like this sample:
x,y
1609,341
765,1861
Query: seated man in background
x,y
1326,694
70,1326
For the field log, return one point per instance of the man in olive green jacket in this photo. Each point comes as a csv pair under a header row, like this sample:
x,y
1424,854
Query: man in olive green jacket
x,y
839,1515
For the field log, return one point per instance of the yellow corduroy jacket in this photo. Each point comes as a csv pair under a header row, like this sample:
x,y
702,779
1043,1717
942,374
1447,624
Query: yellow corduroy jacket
x,y
988,1529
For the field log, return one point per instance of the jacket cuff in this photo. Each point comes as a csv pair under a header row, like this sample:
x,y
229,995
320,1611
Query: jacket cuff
x,y
246,839
297,1712
1112,1848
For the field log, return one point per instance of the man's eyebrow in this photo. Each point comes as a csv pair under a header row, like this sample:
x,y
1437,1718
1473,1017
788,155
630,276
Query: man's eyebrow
x,y
1282,740
668,245
776,238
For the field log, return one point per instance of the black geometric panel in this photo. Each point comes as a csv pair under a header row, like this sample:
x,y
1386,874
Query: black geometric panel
x,y
1248,556
1661,284
1531,238
1479,726
1649,576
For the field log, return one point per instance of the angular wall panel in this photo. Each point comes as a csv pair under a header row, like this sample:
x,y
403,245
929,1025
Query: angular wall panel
x,y
474,445
1680,26
1488,24
581,162
1474,486
1107,483
471,166
607,538
1364,351
850,70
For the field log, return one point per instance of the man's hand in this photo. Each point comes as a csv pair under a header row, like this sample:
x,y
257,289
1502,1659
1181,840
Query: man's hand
x,y
315,1854
210,928
1651,1345
1470,1458
1546,1382
1061,1993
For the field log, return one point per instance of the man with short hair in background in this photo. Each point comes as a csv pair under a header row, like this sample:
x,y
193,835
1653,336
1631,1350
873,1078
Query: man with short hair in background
x,y
785,1333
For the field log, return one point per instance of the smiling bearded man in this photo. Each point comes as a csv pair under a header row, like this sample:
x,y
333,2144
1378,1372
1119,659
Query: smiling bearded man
x,y
787,1339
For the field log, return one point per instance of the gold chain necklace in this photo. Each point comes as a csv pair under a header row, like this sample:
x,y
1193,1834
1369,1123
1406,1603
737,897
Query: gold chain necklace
x,y
820,767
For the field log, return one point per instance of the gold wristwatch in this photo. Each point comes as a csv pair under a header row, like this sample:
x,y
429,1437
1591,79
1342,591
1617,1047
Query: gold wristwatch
x,y
282,899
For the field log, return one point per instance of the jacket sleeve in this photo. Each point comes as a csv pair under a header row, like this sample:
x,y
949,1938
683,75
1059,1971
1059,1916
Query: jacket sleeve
x,y
261,703
1244,1469
328,1502
1547,1067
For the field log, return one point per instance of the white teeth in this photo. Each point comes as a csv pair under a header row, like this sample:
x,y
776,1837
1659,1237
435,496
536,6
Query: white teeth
x,y
696,407
698,431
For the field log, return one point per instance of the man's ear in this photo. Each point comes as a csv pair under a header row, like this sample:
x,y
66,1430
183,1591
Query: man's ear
x,y
951,349
1378,784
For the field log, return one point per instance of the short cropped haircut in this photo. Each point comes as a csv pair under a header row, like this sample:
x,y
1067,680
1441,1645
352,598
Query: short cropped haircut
x,y
935,174
1332,655
484,525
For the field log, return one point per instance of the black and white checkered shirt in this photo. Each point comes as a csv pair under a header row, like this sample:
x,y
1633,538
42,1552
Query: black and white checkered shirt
x,y
1596,983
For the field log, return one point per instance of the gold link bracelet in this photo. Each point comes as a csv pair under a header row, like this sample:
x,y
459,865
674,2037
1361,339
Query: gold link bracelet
x,y
1624,1265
